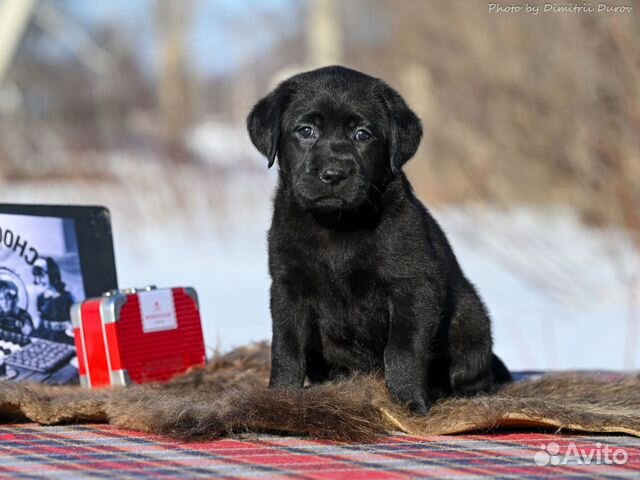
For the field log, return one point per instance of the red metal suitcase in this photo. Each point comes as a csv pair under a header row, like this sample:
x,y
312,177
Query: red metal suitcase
x,y
137,336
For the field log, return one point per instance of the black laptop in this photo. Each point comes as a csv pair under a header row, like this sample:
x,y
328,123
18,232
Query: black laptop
x,y
51,256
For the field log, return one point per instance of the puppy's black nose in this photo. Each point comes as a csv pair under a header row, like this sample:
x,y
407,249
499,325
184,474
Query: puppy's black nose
x,y
333,175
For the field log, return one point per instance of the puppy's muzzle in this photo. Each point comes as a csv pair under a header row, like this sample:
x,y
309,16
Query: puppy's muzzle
x,y
334,175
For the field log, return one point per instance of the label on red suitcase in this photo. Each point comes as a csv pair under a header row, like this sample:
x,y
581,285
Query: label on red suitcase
x,y
158,311
137,336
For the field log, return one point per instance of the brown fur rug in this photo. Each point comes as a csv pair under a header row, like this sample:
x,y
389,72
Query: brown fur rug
x,y
229,396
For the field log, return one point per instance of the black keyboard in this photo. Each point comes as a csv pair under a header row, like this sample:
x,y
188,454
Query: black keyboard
x,y
15,338
41,356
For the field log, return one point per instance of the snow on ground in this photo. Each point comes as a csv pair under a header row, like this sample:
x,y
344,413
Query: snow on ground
x,y
557,291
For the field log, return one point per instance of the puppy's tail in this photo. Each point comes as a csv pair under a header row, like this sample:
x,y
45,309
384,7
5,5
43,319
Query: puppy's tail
x,y
501,373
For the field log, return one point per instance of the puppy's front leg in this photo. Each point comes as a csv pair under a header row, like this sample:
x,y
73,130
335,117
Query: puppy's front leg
x,y
288,364
413,324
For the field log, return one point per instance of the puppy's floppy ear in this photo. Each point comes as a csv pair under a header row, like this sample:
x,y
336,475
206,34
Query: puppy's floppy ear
x,y
263,122
405,130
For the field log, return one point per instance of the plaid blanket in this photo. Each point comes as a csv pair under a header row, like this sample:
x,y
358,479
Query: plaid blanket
x,y
102,451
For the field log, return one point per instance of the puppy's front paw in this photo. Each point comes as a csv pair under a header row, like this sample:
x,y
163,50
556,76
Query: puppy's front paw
x,y
284,383
419,406
414,400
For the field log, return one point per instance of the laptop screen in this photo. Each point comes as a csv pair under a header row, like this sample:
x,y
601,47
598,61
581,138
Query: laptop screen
x,y
48,263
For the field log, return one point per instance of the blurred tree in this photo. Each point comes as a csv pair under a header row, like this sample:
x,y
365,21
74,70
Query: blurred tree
x,y
14,17
173,88
75,92
324,33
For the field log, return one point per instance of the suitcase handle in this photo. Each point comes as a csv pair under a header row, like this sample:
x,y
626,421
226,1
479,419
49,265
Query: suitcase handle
x,y
129,291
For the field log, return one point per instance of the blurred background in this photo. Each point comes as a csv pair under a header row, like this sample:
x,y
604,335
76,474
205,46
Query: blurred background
x,y
530,161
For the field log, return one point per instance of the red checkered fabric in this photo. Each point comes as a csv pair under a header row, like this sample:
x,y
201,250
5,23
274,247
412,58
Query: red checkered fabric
x,y
101,451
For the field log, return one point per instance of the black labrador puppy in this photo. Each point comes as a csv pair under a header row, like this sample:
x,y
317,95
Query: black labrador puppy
x,y
363,278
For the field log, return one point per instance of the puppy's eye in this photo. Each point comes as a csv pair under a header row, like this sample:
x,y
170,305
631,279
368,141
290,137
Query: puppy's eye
x,y
362,135
305,132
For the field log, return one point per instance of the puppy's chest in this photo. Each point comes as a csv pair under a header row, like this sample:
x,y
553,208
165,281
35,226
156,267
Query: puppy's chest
x,y
349,299
344,289
351,272
340,275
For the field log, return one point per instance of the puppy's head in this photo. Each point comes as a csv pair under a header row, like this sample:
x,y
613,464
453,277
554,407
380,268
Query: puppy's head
x,y
339,135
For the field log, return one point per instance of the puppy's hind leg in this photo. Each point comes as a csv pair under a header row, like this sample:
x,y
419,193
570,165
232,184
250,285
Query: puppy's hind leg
x,y
474,375
470,355
501,373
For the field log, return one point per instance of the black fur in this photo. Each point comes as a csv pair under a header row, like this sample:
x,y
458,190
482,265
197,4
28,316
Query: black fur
x,y
363,278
